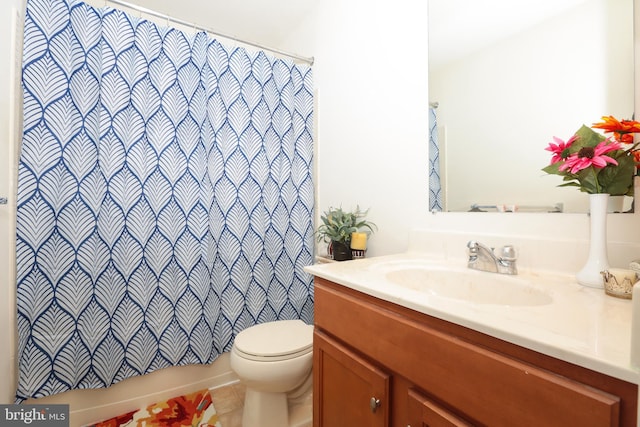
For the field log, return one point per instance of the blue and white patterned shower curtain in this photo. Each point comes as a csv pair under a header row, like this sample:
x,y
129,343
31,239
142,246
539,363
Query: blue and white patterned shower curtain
x,y
435,185
165,197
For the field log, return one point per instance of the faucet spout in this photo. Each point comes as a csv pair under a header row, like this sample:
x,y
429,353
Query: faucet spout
x,y
483,258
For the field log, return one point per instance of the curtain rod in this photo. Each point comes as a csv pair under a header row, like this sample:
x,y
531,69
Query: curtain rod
x,y
308,60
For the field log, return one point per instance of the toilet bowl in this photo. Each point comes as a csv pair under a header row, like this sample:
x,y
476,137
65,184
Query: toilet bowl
x,y
274,361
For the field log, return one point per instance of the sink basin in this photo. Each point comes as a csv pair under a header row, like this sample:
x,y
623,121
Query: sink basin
x,y
463,284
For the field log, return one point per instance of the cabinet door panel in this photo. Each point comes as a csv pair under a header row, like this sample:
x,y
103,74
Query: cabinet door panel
x,y
424,412
348,390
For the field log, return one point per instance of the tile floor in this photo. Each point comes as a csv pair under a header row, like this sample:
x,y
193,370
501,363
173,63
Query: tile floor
x,y
228,401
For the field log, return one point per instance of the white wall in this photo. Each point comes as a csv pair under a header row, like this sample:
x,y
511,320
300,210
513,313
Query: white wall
x,y
9,10
370,74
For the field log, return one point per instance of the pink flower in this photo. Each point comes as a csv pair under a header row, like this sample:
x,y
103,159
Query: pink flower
x,y
561,149
588,156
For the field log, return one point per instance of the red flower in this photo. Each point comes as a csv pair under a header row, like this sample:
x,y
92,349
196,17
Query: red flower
x,y
623,130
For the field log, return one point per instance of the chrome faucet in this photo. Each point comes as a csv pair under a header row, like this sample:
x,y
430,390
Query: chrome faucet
x,y
482,258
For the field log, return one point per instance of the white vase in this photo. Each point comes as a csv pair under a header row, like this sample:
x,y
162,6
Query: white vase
x,y
636,194
598,259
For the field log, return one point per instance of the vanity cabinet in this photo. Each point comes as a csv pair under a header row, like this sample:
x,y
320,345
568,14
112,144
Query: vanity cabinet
x,y
380,364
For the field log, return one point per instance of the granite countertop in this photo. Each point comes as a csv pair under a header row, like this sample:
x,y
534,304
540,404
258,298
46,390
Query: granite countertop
x,y
574,323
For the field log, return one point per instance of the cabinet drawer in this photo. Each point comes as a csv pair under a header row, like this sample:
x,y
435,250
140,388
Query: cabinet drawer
x,y
425,412
487,387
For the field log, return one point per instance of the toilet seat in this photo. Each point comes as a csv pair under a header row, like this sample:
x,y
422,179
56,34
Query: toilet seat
x,y
274,341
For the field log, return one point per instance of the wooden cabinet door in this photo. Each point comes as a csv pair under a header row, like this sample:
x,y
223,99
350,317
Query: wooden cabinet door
x,y
424,412
347,389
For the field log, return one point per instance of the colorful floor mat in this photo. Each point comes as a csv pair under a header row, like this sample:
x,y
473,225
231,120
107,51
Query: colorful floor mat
x,y
193,410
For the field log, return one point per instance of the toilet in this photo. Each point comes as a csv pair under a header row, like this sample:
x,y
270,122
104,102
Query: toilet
x,y
274,361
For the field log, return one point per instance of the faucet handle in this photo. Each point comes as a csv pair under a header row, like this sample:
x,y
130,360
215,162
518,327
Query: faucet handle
x,y
508,253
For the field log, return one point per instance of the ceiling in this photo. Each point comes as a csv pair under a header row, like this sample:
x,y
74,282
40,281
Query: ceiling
x,y
264,22
458,27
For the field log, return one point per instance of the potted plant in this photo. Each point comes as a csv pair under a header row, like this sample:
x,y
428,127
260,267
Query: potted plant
x,y
338,226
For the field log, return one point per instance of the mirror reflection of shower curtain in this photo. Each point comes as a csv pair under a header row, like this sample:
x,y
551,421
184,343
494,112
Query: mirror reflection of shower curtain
x,y
435,187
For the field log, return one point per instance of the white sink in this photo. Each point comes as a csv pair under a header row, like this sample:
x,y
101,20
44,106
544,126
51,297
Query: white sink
x,y
472,286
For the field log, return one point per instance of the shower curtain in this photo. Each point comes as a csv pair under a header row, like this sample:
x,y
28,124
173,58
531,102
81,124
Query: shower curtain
x,y
165,196
435,187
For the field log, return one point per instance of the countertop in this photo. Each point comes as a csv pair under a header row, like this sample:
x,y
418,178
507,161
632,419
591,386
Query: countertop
x,y
580,325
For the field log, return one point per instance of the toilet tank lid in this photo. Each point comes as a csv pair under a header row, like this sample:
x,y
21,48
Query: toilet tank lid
x,y
277,338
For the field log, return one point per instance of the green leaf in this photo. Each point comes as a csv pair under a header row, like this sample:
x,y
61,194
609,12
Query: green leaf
x,y
553,169
589,182
587,137
617,180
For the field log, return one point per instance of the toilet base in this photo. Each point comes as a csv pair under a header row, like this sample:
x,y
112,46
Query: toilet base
x,y
265,409
301,413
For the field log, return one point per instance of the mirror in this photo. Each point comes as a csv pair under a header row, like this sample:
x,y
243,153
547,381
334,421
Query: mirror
x,y
508,76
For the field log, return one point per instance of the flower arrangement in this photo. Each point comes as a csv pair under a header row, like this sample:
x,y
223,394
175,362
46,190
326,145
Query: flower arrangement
x,y
595,163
